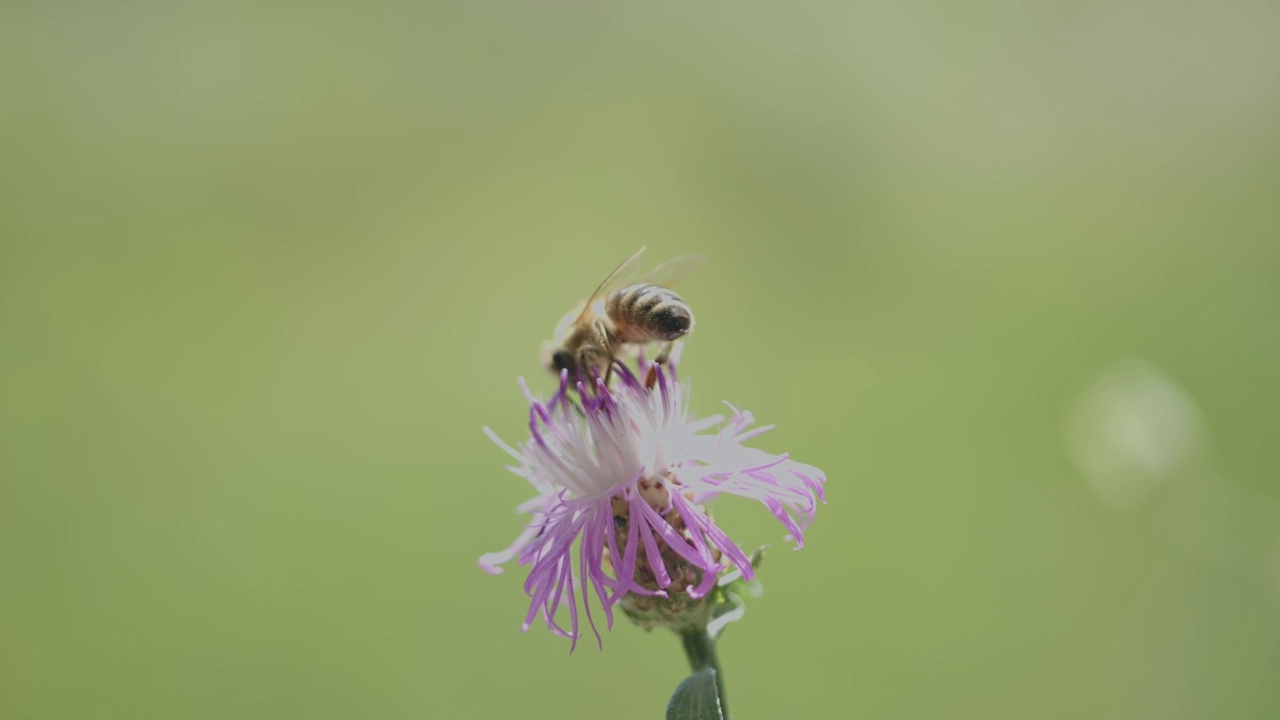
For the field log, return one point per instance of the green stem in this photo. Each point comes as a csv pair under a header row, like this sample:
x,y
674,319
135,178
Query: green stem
x,y
701,649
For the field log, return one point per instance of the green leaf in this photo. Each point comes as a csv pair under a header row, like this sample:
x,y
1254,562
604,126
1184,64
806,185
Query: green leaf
x,y
696,698
735,576
732,591
730,609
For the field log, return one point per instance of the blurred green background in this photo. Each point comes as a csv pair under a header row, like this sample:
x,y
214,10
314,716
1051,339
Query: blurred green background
x,y
1008,272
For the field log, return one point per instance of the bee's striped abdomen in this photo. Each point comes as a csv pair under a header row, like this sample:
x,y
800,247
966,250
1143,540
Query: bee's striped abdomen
x,y
648,313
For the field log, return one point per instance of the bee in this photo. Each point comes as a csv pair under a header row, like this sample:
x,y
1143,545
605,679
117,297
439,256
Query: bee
x,y
622,314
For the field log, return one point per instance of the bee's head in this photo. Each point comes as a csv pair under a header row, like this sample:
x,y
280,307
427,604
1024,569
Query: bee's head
x,y
554,358
558,359
562,360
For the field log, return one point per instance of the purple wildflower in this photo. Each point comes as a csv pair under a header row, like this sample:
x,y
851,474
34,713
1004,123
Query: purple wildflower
x,y
626,470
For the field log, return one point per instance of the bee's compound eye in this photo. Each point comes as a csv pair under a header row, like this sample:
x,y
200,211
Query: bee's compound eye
x,y
561,360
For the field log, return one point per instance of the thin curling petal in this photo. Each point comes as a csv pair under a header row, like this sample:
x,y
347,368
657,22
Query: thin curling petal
x,y
489,562
624,468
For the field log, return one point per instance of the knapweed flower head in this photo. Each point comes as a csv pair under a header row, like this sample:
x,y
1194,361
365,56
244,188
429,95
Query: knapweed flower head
x,y
623,475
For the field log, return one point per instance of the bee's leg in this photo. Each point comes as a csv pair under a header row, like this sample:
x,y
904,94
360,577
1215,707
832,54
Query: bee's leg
x,y
608,373
651,377
665,353
606,341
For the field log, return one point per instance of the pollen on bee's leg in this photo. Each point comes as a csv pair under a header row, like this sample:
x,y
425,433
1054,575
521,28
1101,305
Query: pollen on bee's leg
x,y
651,377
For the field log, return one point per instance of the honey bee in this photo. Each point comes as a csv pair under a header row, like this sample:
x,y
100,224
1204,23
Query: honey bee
x,y
622,313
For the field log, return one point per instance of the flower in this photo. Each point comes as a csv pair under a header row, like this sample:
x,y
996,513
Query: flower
x,y
626,470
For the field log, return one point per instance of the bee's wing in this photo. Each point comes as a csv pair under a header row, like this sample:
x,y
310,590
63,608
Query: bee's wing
x,y
666,274
613,278
671,272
